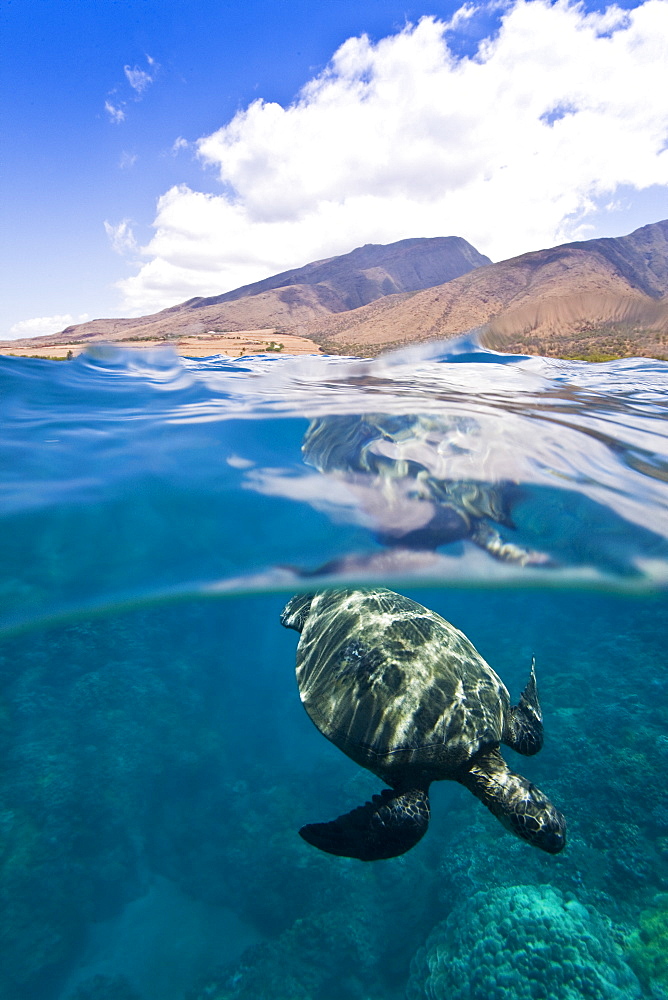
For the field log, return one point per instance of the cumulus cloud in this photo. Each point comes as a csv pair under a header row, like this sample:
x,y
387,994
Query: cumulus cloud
x,y
510,148
42,326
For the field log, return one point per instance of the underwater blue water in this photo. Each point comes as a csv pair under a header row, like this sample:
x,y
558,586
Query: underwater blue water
x,y
155,760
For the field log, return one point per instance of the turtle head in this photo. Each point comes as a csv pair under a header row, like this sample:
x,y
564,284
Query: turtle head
x,y
296,611
540,823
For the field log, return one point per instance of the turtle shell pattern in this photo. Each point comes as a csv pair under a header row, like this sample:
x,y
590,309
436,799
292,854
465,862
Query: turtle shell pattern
x,y
394,685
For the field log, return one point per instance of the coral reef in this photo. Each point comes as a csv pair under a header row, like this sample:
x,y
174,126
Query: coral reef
x,y
521,942
648,947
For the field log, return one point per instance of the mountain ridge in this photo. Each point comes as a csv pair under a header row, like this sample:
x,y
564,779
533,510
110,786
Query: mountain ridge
x,y
421,269
297,296
589,298
608,295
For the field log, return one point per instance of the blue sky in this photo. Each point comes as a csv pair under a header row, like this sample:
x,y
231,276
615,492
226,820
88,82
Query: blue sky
x,y
157,150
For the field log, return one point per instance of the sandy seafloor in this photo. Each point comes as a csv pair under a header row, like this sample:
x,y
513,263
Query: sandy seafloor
x,y
155,760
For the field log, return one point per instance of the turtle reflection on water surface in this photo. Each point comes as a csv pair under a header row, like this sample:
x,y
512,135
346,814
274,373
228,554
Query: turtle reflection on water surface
x,y
400,468
405,694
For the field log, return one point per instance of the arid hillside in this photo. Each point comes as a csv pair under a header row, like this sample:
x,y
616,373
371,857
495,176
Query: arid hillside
x,y
587,299
287,302
592,299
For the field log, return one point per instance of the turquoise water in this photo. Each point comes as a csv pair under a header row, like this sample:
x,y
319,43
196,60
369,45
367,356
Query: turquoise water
x,y
155,761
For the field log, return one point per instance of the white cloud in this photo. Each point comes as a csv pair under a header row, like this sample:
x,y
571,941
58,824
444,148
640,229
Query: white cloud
x,y
42,326
127,160
121,236
138,78
510,149
116,114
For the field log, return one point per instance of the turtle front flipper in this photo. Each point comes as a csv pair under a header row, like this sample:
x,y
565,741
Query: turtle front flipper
x,y
389,825
524,727
517,803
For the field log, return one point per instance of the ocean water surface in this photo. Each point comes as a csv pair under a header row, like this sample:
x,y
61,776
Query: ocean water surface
x,y
156,763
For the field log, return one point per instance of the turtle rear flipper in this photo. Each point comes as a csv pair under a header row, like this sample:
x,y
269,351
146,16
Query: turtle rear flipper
x,y
387,826
524,730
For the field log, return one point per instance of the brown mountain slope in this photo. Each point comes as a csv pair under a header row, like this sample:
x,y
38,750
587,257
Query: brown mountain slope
x,y
594,298
288,301
604,296
369,272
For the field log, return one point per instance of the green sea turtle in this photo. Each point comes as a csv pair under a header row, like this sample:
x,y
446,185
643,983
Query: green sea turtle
x,y
403,470
405,694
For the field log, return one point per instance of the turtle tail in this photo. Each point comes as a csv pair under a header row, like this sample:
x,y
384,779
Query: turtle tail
x,y
389,825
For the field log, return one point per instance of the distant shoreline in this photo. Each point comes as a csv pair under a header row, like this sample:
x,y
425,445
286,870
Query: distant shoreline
x,y
234,345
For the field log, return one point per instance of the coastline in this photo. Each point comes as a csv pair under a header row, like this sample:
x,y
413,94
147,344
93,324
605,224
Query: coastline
x,y
234,345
